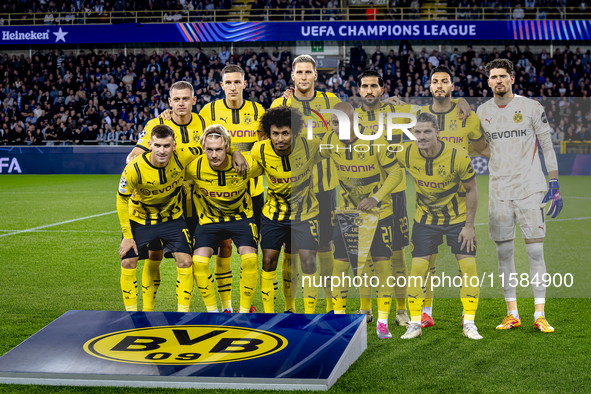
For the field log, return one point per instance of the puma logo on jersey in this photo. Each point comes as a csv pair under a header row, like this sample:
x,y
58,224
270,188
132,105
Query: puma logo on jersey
x,y
127,292
208,180
417,168
488,120
151,183
275,168
266,293
224,119
541,227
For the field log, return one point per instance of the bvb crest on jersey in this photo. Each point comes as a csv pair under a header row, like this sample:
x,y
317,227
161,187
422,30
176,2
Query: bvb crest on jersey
x,y
248,120
453,125
174,173
441,171
517,117
361,156
235,180
298,163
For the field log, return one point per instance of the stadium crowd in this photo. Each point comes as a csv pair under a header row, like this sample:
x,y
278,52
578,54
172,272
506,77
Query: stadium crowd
x,y
106,98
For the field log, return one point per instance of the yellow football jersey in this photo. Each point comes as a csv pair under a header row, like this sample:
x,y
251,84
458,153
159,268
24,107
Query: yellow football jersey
x,y
221,195
149,194
454,130
437,181
242,124
289,179
184,135
370,120
321,124
362,169
188,134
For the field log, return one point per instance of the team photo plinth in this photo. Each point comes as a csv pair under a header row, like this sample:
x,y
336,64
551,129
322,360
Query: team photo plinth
x,y
188,350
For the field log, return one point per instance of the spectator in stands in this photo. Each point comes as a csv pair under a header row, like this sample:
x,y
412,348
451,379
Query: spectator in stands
x,y
371,13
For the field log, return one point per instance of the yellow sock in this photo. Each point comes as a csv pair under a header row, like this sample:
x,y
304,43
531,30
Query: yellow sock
x,y
310,284
339,293
223,278
399,270
129,288
383,291
184,288
325,260
150,283
429,290
289,269
204,281
470,292
416,294
365,290
248,280
268,286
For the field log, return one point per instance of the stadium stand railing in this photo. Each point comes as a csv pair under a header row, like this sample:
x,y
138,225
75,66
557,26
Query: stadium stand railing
x,y
429,11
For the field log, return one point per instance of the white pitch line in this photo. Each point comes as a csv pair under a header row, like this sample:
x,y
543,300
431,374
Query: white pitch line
x,y
56,224
67,231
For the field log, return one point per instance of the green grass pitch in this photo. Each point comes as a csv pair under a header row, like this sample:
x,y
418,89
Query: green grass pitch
x,y
75,265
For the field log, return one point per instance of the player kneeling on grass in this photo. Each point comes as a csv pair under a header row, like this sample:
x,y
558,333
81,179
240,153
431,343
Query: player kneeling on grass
x,y
225,211
291,208
150,210
438,169
368,172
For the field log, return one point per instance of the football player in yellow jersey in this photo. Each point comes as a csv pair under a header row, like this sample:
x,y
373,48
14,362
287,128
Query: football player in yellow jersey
x,y
241,119
310,102
368,172
438,169
188,128
465,133
149,205
371,89
225,211
291,210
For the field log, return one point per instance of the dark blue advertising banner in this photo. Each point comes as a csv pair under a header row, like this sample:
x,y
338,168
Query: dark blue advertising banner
x,y
297,31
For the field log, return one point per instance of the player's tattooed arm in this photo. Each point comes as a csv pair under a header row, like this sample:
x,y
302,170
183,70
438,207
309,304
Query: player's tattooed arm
x,y
133,154
394,100
467,236
288,93
166,114
464,109
239,163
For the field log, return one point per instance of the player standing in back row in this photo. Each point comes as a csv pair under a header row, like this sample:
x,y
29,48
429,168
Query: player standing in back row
x,y
513,125
310,102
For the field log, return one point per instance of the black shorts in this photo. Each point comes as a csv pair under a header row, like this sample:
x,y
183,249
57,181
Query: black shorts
x,y
426,239
300,235
400,230
191,220
327,202
257,208
242,232
174,235
381,245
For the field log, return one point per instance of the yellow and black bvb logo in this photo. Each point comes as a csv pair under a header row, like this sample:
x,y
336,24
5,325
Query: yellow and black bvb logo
x,y
453,125
517,117
361,156
234,180
441,171
185,345
248,120
358,221
298,163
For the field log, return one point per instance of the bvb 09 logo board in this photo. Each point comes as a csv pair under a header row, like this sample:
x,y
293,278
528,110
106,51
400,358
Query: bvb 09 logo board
x,y
185,345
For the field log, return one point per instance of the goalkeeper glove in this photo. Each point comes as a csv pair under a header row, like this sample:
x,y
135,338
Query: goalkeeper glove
x,y
554,196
